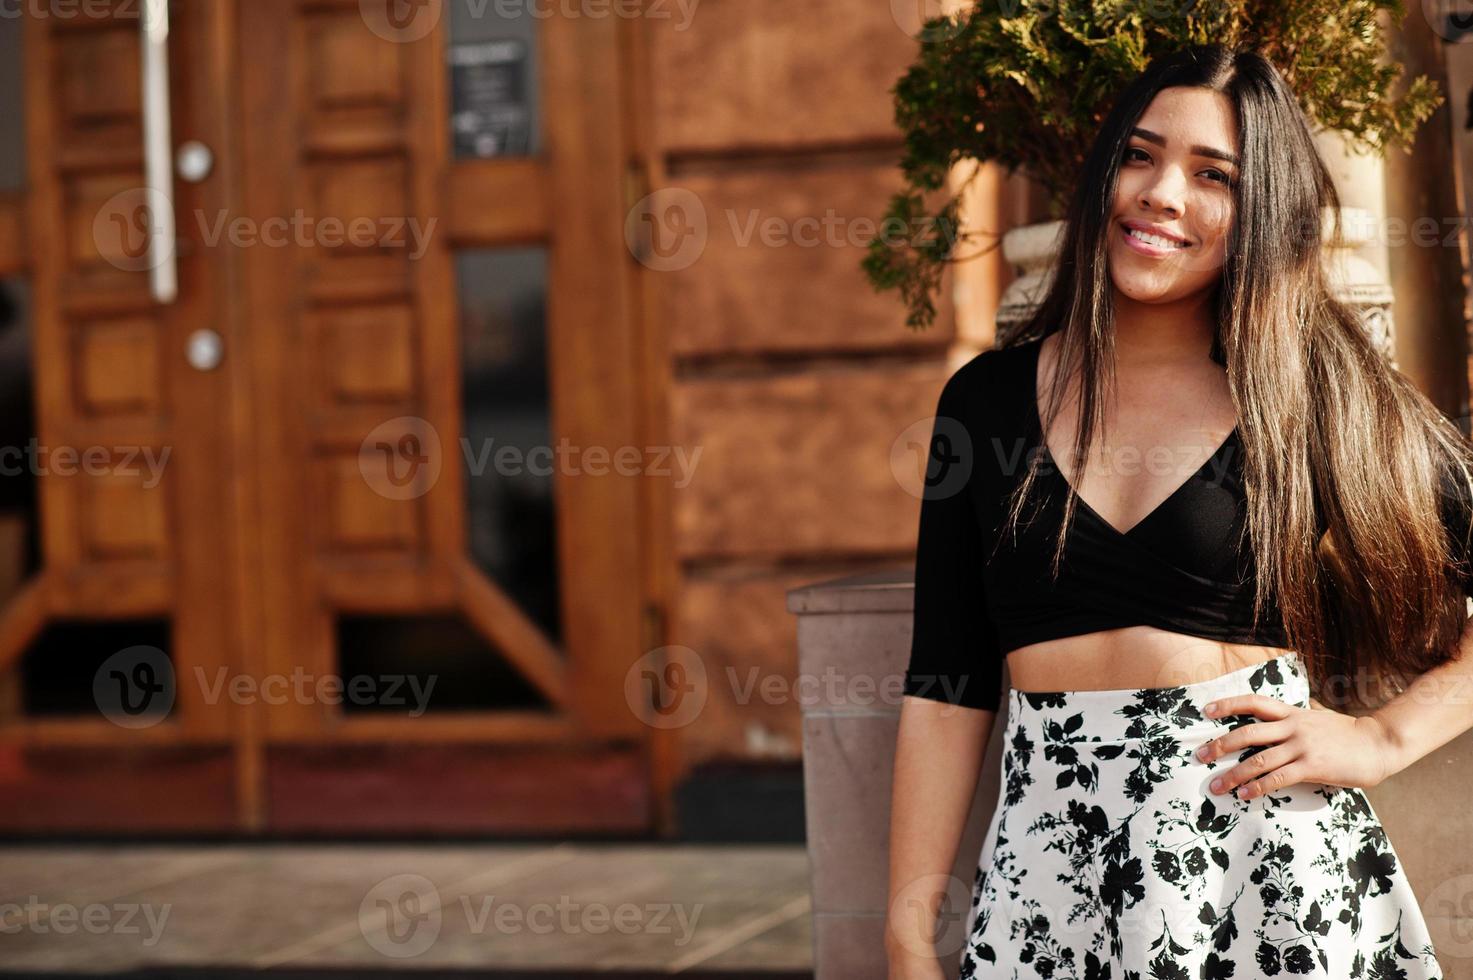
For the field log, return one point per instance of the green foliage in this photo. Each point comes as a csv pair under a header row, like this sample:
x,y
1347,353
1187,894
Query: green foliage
x,y
1026,83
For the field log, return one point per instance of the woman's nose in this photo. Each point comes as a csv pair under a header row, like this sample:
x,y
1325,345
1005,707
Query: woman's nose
x,y
1166,193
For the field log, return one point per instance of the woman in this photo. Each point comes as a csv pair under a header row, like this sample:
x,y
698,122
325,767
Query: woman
x,y
1275,511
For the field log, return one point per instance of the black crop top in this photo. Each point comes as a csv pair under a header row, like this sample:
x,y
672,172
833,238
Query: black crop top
x,y
1187,567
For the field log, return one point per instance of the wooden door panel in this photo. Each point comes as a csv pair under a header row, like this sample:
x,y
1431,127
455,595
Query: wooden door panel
x,y
86,227
354,139
136,476
333,146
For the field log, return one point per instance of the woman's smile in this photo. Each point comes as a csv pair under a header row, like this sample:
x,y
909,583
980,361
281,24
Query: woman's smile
x,y
1152,245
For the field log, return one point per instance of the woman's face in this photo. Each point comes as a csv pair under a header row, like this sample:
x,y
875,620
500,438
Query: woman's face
x,y
1174,180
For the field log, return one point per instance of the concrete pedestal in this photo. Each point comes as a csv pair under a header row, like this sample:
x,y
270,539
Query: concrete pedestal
x,y
853,645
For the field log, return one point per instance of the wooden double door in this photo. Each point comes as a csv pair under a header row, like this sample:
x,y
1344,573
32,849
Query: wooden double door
x,y
257,562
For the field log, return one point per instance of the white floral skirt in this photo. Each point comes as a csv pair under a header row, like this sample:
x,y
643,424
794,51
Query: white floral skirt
x,y
1107,856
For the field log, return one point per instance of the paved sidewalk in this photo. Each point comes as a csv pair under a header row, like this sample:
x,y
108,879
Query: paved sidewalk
x,y
598,906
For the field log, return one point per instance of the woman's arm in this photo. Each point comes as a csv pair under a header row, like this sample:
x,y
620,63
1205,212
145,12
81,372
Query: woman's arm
x,y
1437,706
1433,710
938,758
953,682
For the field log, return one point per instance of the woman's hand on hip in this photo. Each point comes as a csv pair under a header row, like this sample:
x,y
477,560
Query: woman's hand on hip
x,y
1304,745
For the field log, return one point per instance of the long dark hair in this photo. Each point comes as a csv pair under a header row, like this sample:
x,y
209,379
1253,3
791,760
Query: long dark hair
x,y
1333,438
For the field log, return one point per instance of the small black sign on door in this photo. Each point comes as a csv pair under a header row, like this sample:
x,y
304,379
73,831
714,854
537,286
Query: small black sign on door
x,y
490,116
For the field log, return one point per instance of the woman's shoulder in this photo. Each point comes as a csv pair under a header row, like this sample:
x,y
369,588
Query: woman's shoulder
x,y
990,397
995,380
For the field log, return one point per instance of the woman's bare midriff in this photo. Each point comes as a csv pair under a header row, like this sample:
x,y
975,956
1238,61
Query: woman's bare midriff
x,y
1128,659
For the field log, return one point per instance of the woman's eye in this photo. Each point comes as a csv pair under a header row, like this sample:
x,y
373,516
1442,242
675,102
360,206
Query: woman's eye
x,y
1222,177
1135,149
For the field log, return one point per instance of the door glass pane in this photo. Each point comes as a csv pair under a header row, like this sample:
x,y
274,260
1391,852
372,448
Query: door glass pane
x,y
35,684
494,94
20,519
507,439
415,665
115,669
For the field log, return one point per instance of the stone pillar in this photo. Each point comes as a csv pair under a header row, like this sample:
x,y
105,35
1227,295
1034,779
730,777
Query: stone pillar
x,y
1426,270
853,646
1358,265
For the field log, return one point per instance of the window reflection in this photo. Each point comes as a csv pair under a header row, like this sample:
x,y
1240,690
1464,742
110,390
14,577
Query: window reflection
x,y
507,448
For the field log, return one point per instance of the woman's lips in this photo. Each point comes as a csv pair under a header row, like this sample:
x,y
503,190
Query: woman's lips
x,y
1146,248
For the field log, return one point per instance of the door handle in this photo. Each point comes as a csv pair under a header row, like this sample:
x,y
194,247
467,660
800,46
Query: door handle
x,y
204,349
194,161
163,272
